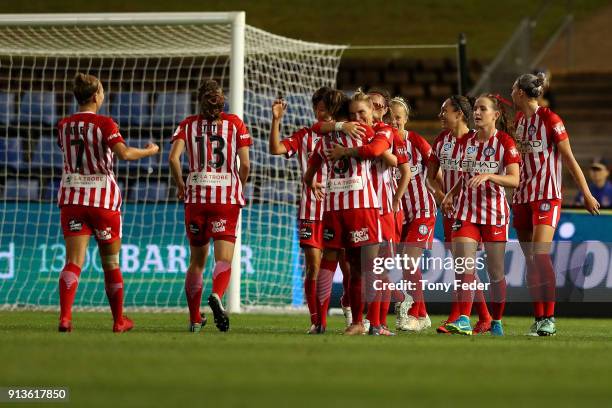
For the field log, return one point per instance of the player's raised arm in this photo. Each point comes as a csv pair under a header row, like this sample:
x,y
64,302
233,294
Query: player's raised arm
x,y
128,153
278,110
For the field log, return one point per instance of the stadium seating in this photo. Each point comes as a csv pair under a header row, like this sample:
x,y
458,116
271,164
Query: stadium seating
x,y
21,189
148,191
49,190
131,108
47,155
11,154
7,108
170,108
38,108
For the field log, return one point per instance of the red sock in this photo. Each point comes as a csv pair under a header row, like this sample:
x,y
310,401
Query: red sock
x,y
455,311
221,277
310,290
466,296
113,282
544,265
68,283
355,289
385,301
498,298
534,283
481,304
374,312
193,292
345,300
324,289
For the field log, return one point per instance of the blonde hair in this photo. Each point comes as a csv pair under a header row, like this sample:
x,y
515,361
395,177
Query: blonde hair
x,y
85,87
398,100
360,96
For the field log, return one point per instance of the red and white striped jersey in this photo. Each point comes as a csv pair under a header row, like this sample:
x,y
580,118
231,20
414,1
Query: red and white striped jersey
x,y
446,152
350,184
418,201
212,148
485,204
86,140
384,175
536,140
303,143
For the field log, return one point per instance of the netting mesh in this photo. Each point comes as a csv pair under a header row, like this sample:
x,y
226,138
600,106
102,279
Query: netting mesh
x,y
150,74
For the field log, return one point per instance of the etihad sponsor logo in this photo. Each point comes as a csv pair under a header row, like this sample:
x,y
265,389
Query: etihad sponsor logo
x,y
480,166
218,226
361,235
529,146
450,164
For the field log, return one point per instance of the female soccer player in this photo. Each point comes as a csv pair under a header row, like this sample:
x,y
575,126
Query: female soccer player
x,y
419,215
544,143
390,191
214,142
89,198
490,163
351,218
310,226
455,116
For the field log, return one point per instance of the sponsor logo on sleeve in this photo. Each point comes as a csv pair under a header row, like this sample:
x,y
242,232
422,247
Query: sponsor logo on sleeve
x,y
114,136
559,129
513,152
245,136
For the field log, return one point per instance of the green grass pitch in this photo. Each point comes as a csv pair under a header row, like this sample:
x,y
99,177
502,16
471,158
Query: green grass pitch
x,y
267,360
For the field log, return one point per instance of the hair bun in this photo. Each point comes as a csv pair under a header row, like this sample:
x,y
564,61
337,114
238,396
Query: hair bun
x,y
542,80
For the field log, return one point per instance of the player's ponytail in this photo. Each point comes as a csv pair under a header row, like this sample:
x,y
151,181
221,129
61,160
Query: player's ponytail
x,y
532,85
505,122
85,87
211,99
360,96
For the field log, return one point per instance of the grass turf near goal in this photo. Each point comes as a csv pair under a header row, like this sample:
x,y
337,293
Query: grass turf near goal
x,y
267,360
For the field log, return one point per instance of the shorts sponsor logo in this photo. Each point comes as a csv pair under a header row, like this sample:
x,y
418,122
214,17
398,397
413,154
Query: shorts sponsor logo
x,y
423,229
218,226
305,232
75,225
194,228
531,131
103,234
359,235
489,151
457,225
544,206
328,234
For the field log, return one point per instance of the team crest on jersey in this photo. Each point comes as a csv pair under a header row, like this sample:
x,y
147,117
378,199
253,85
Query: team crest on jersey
x,y
456,225
75,225
489,151
103,235
359,235
423,229
194,228
531,131
328,234
544,206
447,146
305,232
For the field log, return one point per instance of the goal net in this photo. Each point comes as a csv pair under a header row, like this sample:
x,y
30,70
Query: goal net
x,y
150,66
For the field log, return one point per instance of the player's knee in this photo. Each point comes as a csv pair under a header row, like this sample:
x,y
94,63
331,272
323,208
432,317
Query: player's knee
x,y
110,262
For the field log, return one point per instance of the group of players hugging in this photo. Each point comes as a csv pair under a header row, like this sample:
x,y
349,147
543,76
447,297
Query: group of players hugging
x,y
370,189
